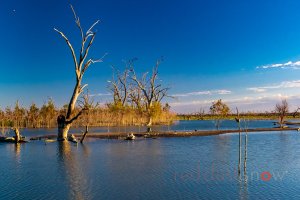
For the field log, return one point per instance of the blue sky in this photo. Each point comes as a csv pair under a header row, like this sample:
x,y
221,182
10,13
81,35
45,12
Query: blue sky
x,y
244,52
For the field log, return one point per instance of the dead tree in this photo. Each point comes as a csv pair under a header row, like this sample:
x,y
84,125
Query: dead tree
x,y
17,134
119,86
282,109
296,112
151,91
81,64
135,97
88,106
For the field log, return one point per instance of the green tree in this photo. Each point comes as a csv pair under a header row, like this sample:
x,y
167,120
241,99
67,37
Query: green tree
x,y
219,110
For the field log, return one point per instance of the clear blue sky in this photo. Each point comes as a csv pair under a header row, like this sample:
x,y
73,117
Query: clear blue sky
x,y
212,49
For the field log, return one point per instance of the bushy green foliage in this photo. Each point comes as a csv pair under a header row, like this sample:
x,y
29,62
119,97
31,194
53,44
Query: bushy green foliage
x,y
219,109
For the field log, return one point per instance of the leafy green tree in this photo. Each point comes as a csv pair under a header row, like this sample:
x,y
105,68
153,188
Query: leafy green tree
x,y
219,110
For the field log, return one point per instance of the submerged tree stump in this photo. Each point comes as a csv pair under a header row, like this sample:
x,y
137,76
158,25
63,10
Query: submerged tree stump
x,y
61,124
17,135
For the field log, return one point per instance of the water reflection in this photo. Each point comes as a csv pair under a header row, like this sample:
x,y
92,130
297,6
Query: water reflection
x,y
85,149
71,171
17,148
164,168
243,189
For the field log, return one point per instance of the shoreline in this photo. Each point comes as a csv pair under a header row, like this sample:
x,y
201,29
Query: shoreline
x,y
123,135
272,120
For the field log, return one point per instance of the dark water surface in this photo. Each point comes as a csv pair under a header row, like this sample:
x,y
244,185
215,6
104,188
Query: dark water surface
x,y
163,168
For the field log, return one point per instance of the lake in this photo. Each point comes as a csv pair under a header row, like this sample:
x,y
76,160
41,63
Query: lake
x,y
163,168
182,125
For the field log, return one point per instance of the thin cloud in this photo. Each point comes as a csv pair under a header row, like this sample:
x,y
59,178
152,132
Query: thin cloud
x,y
287,65
207,92
257,89
247,103
284,84
223,92
243,100
100,94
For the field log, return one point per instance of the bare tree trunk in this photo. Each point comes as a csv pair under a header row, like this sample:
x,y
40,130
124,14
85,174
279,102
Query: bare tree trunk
x,y
17,135
63,128
63,132
149,125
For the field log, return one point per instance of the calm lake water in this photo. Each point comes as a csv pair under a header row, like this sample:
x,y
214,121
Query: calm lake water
x,y
163,168
183,125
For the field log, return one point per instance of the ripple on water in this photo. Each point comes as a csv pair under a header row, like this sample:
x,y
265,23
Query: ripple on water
x,y
165,168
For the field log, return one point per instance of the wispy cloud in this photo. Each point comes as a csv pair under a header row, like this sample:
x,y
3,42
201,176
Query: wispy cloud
x,y
257,89
207,92
284,84
287,65
246,103
243,100
100,94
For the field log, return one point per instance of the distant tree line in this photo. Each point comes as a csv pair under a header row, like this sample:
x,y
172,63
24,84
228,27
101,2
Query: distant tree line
x,y
109,114
219,110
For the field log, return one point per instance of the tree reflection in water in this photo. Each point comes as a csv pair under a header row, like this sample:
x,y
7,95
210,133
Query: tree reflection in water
x,y
71,170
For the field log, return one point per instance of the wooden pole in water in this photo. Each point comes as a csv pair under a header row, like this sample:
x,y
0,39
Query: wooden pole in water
x,y
245,155
240,141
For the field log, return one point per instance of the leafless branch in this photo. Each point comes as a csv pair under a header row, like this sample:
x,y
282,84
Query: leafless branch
x,y
71,48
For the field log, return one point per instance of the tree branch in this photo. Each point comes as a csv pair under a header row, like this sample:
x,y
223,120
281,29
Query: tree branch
x,y
76,116
90,29
71,48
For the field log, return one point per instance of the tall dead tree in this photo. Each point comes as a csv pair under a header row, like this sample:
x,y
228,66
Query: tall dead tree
x,y
81,64
152,92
